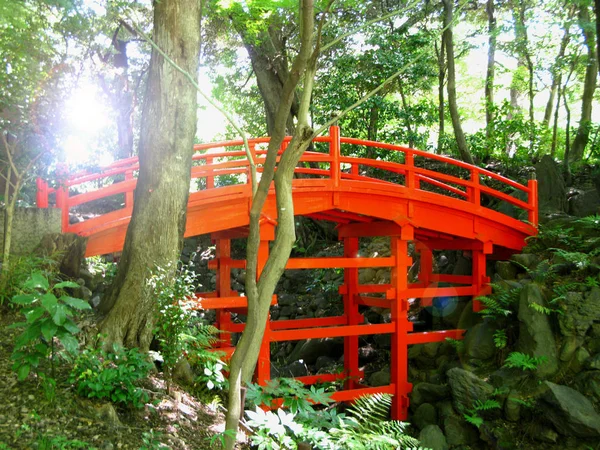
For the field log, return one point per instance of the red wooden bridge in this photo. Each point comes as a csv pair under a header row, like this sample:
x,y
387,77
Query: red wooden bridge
x,y
435,202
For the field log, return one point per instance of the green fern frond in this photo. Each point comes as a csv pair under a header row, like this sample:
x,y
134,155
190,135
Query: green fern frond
x,y
473,419
487,405
523,361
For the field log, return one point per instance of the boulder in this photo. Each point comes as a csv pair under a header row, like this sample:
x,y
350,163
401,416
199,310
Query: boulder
x,y
479,341
535,334
68,249
552,193
428,393
506,270
295,369
512,407
580,312
308,351
588,384
458,432
380,378
584,203
433,438
570,412
426,414
467,388
528,260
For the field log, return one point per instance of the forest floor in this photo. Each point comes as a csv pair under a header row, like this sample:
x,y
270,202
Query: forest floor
x,y
34,417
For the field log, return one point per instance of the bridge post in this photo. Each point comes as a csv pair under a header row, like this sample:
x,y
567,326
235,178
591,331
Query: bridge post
x,y
399,310
42,193
223,287
353,317
334,153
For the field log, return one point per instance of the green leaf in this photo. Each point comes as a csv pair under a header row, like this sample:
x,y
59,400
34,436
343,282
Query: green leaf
x,y
49,301
76,303
23,299
60,315
34,314
70,326
69,342
23,371
37,281
17,325
66,284
49,329
28,336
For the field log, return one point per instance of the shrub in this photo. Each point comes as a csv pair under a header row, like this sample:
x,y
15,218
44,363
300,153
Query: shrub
x,y
111,375
47,317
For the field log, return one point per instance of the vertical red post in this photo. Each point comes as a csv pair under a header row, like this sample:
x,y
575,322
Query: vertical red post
x,y
533,202
223,288
480,279
399,310
353,317
129,194
409,163
334,153
42,193
475,191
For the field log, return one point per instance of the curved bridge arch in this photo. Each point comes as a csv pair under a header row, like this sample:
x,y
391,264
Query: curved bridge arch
x,y
434,201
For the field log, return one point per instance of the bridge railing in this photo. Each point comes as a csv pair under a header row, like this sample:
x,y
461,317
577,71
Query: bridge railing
x,y
221,164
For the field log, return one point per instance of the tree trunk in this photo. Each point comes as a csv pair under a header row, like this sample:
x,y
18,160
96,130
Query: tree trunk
x,y
259,290
155,233
589,87
555,124
269,60
556,78
411,136
441,52
490,75
461,141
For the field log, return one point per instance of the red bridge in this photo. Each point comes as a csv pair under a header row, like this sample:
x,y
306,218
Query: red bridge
x,y
435,202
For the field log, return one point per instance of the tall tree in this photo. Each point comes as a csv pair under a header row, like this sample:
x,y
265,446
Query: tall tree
x,y
448,44
589,85
491,70
155,233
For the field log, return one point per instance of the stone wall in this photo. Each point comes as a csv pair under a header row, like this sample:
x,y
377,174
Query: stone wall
x,y
29,226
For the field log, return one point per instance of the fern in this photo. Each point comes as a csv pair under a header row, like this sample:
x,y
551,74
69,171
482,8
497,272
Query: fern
x,y
579,259
543,309
367,426
524,362
487,405
500,339
525,403
501,303
473,419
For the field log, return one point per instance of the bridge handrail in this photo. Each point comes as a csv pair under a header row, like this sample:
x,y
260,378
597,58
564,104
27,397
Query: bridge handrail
x,y
212,166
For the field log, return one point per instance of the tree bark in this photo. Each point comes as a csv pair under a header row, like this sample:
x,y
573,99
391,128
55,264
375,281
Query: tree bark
x,y
589,87
155,233
259,290
461,141
441,52
556,78
490,73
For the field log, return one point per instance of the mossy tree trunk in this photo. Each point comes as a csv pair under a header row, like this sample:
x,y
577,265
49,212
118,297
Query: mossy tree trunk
x,y
155,233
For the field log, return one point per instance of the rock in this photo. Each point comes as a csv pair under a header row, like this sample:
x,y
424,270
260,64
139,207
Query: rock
x,y
528,260
366,276
535,334
380,378
428,393
458,432
468,318
588,384
324,362
593,362
308,351
568,349
552,194
296,369
570,412
367,353
425,414
512,408
68,249
544,434
430,349
506,270
95,301
467,388
414,351
479,341
183,372
580,312
107,414
584,203
431,437
578,362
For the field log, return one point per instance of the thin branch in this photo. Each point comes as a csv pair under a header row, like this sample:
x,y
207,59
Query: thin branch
x,y
382,85
369,23
219,108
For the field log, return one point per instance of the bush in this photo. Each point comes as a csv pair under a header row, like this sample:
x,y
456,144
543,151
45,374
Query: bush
x,y
112,375
47,317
